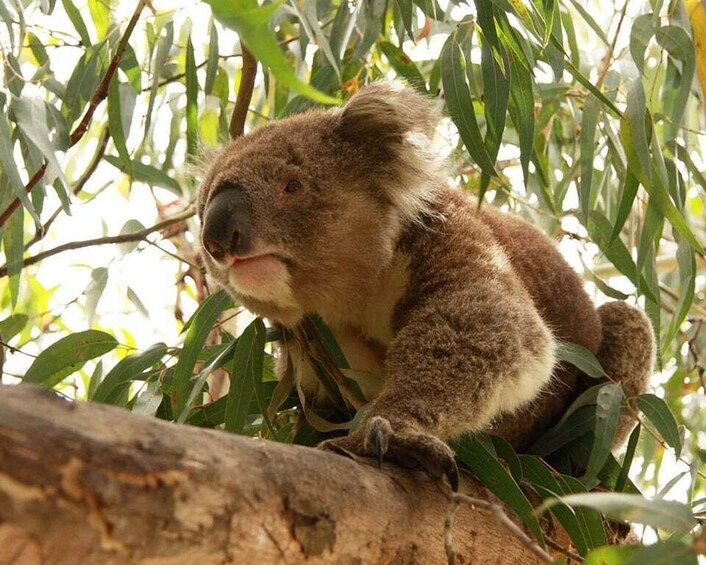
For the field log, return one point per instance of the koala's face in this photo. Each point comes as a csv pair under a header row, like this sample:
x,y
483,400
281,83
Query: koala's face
x,y
300,215
285,217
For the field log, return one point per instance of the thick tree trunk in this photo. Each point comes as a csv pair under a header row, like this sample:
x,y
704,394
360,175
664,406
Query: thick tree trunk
x,y
88,483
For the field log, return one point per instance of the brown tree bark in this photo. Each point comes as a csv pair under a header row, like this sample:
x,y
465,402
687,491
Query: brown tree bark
x,y
88,483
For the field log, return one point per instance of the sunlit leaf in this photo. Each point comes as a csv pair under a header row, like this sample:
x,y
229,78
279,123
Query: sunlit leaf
x,y
668,515
251,22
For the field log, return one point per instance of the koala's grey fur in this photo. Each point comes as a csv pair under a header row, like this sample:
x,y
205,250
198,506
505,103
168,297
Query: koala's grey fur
x,y
458,310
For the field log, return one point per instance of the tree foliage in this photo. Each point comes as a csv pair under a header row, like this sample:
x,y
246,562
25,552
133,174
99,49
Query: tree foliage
x,y
585,118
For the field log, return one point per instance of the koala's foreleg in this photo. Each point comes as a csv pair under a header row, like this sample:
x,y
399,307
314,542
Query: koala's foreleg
x,y
459,360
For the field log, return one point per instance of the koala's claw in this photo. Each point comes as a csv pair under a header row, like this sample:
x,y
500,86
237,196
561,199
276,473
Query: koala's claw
x,y
408,448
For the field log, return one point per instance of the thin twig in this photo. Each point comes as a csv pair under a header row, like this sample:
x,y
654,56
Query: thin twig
x,y
608,57
124,238
448,532
98,96
457,498
245,90
561,549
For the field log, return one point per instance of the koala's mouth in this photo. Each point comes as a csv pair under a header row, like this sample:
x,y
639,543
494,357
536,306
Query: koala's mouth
x,y
238,262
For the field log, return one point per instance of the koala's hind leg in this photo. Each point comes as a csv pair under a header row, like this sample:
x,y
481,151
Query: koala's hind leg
x,y
626,353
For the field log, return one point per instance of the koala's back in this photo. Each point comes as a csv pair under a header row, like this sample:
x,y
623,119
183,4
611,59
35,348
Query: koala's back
x,y
445,252
448,245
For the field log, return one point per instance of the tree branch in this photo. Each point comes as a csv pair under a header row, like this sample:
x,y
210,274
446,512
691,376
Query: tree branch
x,y
124,238
98,96
91,482
245,90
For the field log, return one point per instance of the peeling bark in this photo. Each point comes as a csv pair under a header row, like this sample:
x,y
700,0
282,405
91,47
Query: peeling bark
x,y
89,483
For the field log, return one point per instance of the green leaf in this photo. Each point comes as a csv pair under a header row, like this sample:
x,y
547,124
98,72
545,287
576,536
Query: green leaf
x,y
94,291
212,60
584,525
578,424
495,69
627,198
115,122
85,78
495,478
607,412
216,361
164,44
636,140
131,226
31,114
192,111
74,15
667,515
126,371
661,417
12,325
251,22
677,88
68,355
687,287
9,167
13,246
148,174
643,28
247,369
600,230
627,460
100,14
580,357
589,121
522,111
668,552
199,326
505,451
403,65
460,103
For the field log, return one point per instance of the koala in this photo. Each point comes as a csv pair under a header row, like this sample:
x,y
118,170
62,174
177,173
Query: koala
x,y
348,214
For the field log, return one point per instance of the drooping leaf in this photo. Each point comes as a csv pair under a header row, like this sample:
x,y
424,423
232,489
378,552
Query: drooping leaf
x,y
668,515
607,412
251,22
460,103
148,174
198,328
67,356
247,368
661,417
125,372
496,478
580,357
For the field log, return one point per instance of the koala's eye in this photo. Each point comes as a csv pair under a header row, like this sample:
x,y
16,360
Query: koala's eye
x,y
293,186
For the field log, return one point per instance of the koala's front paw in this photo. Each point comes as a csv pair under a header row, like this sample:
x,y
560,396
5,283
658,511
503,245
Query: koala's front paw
x,y
378,439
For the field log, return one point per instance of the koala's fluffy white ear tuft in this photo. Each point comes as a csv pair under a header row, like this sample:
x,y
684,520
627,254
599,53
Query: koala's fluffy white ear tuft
x,y
386,111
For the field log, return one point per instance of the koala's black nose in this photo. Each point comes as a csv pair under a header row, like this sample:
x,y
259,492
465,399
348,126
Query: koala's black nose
x,y
226,225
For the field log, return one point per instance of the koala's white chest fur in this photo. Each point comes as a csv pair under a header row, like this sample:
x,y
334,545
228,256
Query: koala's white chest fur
x,y
364,332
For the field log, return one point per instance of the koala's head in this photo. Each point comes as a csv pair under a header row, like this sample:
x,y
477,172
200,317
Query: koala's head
x,y
302,214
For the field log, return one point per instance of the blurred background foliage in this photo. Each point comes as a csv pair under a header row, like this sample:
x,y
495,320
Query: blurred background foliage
x,y
587,118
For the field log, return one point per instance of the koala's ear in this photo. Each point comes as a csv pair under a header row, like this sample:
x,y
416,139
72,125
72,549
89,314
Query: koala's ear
x,y
386,111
